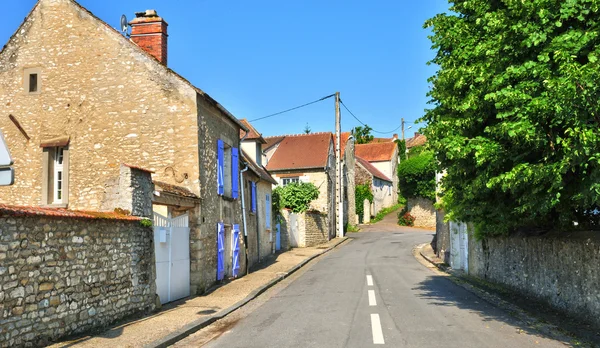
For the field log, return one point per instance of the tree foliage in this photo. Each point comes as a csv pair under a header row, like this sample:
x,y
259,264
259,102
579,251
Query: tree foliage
x,y
515,113
362,192
295,196
416,176
362,135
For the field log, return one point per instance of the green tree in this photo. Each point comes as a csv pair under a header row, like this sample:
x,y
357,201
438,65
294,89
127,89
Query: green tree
x,y
515,113
362,135
307,129
295,196
416,176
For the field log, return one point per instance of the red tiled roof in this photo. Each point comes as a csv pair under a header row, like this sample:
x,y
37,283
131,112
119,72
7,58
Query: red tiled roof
x,y
301,151
272,141
344,140
375,152
14,210
139,168
253,134
372,169
416,140
260,171
175,190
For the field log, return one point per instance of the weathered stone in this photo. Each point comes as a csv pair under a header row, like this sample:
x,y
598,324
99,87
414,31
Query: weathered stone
x,y
33,260
46,286
17,292
17,311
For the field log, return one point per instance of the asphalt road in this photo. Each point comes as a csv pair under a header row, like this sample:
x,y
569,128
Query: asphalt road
x,y
333,304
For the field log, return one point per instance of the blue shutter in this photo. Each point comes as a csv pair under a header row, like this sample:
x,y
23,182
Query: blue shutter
x,y
236,250
220,167
253,197
220,251
268,211
235,172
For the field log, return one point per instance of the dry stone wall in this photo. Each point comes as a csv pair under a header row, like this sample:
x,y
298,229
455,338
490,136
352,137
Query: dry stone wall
x,y
316,231
423,211
61,276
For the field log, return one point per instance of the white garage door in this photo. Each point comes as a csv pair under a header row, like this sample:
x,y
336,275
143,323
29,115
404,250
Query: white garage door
x,y
172,252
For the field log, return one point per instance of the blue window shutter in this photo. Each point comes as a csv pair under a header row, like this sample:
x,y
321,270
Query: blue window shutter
x,y
268,211
220,251
253,197
220,167
236,251
235,172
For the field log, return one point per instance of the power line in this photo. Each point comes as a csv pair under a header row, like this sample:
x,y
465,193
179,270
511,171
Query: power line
x,y
294,108
364,124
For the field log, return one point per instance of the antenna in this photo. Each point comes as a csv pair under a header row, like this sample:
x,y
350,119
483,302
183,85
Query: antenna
x,y
124,24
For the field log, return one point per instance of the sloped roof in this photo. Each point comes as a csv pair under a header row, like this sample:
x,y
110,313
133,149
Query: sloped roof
x,y
416,140
253,134
175,190
130,42
372,169
301,151
384,140
344,136
375,152
272,141
260,171
14,210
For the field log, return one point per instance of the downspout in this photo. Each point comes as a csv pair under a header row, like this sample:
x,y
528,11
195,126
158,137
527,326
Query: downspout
x,y
244,214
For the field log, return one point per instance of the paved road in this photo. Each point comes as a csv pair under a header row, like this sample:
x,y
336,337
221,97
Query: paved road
x,y
333,304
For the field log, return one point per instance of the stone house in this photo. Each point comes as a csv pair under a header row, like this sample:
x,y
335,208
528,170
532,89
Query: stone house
x,y
78,99
384,157
381,186
305,158
257,184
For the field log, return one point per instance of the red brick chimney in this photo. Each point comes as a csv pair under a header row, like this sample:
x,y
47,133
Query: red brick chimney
x,y
149,31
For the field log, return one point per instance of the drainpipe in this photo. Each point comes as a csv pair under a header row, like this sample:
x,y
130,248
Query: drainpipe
x,y
244,214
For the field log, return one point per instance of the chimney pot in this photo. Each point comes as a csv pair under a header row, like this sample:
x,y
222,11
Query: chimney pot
x,y
149,32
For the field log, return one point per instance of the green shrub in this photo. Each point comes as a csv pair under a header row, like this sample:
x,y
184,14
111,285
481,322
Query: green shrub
x,y
405,219
295,196
417,176
362,192
383,212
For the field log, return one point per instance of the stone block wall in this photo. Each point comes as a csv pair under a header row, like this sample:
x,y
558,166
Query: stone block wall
x,y
442,237
316,231
65,275
423,211
558,269
131,191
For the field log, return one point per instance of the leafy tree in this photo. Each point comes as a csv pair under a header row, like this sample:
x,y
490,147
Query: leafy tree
x,y
295,196
362,135
515,113
362,192
417,176
307,129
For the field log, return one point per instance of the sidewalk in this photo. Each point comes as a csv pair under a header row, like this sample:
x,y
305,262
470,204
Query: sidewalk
x,y
186,316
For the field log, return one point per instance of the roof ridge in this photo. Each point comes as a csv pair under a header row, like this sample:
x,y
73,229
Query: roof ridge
x,y
297,135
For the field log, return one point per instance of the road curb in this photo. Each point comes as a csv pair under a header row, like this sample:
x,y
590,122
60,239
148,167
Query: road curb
x,y
198,324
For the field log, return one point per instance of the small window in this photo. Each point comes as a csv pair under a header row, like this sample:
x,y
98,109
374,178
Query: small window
x,y
55,178
287,181
58,175
33,83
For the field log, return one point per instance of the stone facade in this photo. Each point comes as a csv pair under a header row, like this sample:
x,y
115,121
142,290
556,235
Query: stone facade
x,y
261,240
131,192
311,228
66,275
559,269
115,103
315,225
423,211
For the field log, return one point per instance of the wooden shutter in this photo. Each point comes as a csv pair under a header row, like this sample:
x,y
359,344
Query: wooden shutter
x,y
253,197
220,167
268,211
235,172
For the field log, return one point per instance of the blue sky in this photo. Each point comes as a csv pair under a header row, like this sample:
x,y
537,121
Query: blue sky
x,y
260,57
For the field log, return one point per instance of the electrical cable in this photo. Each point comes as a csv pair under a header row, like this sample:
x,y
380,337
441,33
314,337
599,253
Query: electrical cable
x,y
294,108
364,124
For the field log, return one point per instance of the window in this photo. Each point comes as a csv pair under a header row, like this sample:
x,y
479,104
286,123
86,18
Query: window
x,y
227,170
32,80
287,181
55,178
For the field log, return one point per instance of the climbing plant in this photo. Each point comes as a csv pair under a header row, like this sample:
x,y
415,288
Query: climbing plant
x,y
362,192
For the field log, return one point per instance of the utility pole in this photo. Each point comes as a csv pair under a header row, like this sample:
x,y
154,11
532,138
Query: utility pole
x,y
402,128
338,169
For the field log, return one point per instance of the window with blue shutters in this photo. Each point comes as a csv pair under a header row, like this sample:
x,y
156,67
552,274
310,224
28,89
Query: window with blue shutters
x,y
228,170
235,171
220,167
253,198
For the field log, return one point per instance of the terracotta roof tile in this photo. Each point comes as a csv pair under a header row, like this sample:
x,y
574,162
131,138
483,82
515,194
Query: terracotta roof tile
x,y
372,169
13,210
375,152
272,141
175,190
253,134
301,151
416,140
344,136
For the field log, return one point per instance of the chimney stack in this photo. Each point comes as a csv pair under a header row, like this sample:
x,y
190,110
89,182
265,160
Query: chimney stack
x,y
149,31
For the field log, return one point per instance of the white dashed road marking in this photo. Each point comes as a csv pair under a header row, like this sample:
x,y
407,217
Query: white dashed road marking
x,y
376,329
369,280
372,300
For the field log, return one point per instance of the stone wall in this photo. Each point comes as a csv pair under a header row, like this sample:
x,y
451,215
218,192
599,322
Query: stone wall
x,y
66,275
131,191
559,269
442,237
316,231
423,211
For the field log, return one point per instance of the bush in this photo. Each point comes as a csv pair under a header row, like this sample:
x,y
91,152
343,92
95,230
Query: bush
x,y
405,219
295,196
417,176
383,212
362,192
